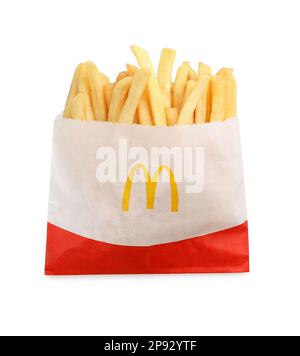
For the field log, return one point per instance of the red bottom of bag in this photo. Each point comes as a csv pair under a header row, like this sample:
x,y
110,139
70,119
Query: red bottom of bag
x,y
222,252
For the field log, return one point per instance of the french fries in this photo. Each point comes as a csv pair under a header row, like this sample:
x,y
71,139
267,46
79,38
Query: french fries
x,y
84,88
118,99
139,96
131,69
172,116
231,92
186,116
218,110
203,109
97,82
180,84
144,111
138,86
164,74
77,108
108,90
192,74
155,94
122,75
73,90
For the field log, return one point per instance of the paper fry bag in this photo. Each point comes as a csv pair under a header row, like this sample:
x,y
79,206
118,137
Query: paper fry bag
x,y
132,199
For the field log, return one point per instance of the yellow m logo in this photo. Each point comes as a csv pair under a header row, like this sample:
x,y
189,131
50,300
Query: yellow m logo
x,y
151,185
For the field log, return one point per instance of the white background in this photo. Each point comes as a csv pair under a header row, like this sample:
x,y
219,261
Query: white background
x,y
41,43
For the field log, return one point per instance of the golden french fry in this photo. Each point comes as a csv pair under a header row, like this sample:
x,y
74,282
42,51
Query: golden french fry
x,y
186,115
78,107
172,116
73,90
97,82
84,88
164,75
118,99
121,76
203,109
190,86
155,94
144,112
203,69
138,87
180,84
192,74
231,92
131,69
108,90
218,89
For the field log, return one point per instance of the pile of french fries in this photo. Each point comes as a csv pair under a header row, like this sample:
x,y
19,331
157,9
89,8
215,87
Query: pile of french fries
x,y
140,96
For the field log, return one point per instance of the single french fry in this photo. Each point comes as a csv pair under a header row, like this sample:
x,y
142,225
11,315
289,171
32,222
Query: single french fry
x,y
203,110
204,105
218,89
186,115
84,88
118,98
131,69
73,90
190,86
231,92
203,69
155,94
108,90
137,89
172,116
97,82
164,74
121,76
144,111
180,84
78,107
192,74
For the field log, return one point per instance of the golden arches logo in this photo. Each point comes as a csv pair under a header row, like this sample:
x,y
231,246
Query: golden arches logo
x,y
151,185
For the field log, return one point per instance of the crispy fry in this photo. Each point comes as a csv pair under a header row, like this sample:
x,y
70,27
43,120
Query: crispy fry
x,y
190,86
186,115
108,90
97,81
172,116
144,111
218,110
84,88
180,84
118,99
161,102
136,92
131,69
204,105
231,92
192,74
203,110
73,90
155,95
203,69
164,75
121,76
78,107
